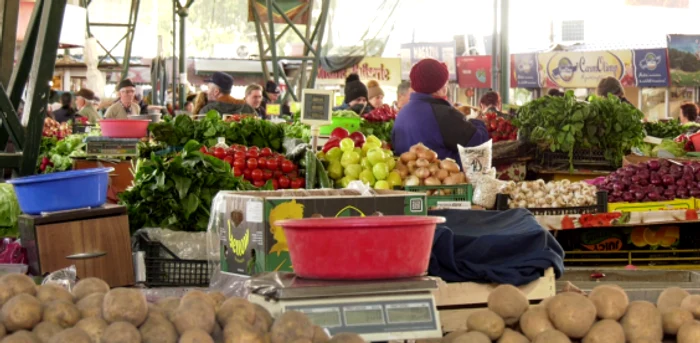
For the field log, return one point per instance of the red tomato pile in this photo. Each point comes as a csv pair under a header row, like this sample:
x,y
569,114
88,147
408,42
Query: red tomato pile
x,y
500,129
236,118
338,134
382,113
259,165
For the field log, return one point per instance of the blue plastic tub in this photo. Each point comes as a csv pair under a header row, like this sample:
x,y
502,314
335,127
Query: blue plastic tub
x,y
62,191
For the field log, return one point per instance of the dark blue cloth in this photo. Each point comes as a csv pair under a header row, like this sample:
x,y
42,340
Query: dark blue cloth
x,y
505,247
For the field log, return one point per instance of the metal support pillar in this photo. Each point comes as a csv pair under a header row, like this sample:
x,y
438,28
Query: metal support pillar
x,y
494,47
128,37
9,17
505,53
182,11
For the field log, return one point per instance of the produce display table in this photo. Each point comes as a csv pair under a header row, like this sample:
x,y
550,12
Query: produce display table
x,y
618,219
120,179
456,301
573,176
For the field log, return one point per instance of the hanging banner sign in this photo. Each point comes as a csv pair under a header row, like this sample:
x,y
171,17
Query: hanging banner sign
x,y
296,10
651,68
524,71
386,71
445,52
586,69
684,60
474,71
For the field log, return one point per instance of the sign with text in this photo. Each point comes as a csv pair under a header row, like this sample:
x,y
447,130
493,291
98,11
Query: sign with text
x,y
651,68
525,71
474,71
316,106
387,71
585,69
411,53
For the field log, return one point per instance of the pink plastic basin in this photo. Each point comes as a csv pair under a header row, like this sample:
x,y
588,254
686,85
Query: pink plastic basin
x,y
360,248
124,128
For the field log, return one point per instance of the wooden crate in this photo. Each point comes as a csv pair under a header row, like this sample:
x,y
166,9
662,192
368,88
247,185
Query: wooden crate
x,y
456,301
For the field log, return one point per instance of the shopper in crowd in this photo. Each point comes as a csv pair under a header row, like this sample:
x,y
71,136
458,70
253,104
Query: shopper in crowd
x,y
430,119
254,101
271,95
355,96
83,101
689,113
375,94
611,85
189,103
219,95
66,112
403,94
490,102
143,105
199,102
126,105
555,92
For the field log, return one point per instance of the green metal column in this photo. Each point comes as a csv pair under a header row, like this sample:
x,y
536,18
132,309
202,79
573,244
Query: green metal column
x,y
504,55
273,41
9,16
182,12
318,33
131,30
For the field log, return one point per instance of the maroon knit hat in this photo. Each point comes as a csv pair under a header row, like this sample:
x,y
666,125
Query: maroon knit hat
x,y
429,76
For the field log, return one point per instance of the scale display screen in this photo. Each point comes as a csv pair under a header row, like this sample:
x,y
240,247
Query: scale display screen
x,y
327,317
409,313
364,315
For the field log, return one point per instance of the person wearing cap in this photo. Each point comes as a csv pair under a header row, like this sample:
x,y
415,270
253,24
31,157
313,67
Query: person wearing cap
x,y
271,94
611,85
219,95
430,119
355,96
126,105
375,94
83,101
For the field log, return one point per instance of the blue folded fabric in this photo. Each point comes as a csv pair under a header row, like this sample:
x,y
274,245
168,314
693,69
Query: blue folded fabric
x,y
505,247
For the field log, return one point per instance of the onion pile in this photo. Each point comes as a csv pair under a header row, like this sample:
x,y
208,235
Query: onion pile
x,y
653,181
538,194
420,166
53,129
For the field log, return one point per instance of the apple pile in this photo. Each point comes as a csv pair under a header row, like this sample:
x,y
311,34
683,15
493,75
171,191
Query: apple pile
x,y
356,157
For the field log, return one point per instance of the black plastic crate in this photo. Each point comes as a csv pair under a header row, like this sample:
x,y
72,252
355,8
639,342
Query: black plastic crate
x,y
164,268
600,207
582,158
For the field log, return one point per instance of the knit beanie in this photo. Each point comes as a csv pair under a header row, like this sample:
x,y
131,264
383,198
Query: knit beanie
x,y
429,76
354,88
373,89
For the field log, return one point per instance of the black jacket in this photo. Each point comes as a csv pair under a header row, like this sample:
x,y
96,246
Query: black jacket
x,y
64,114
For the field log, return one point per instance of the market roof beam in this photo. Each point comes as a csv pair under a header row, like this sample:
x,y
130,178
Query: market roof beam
x,y
9,17
294,28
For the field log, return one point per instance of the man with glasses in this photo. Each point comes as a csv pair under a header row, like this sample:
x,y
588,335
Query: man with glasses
x,y
126,105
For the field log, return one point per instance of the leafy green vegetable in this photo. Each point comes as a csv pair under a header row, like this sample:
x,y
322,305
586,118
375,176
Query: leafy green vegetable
x,y
345,114
674,148
380,129
298,130
59,152
668,129
9,211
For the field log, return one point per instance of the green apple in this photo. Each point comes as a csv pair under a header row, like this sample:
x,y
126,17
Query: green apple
x,y
373,139
380,171
349,157
353,171
394,179
335,170
359,151
391,162
365,164
344,182
388,153
382,185
367,177
369,146
376,155
334,154
347,144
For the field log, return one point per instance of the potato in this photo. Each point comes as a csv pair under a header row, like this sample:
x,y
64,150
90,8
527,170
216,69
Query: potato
x,y
73,335
535,321
92,326
552,336
5,295
508,302
62,313
263,318
45,330
320,335
195,336
471,337
642,320
605,331
571,313
122,304
689,333
3,332
22,336
238,308
450,337
91,305
673,318
486,322
610,301
49,292
18,284
168,305
121,332
158,329
692,304
218,334
218,298
89,286
291,326
199,295
671,297
22,312
512,336
193,313
240,331
347,338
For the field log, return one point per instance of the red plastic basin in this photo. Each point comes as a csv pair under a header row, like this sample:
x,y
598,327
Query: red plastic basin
x,y
124,128
360,248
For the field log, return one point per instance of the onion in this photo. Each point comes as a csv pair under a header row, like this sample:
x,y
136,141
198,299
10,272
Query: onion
x,y
432,181
422,163
418,148
450,165
408,156
450,180
422,173
428,155
441,174
403,173
434,169
412,180
411,165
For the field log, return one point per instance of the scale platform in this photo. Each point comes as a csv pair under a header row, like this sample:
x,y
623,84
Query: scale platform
x,y
105,146
383,310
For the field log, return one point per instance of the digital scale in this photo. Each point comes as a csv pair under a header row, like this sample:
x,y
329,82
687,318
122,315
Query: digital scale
x,y
117,147
384,310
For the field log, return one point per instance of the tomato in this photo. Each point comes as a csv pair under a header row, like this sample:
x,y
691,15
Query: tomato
x,y
272,164
277,173
275,184
220,153
297,183
202,149
283,182
266,152
262,163
340,133
239,154
267,174
293,175
287,166
280,159
230,152
493,125
252,153
254,148
247,174
252,163
259,183
229,160
256,174
240,148
239,164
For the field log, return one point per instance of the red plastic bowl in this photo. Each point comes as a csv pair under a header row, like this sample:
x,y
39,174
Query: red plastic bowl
x,y
360,248
124,128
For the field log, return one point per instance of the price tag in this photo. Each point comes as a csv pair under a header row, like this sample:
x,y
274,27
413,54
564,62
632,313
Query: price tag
x,y
339,100
273,109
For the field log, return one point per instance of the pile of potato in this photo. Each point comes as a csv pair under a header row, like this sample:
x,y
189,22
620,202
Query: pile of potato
x,y
93,313
604,316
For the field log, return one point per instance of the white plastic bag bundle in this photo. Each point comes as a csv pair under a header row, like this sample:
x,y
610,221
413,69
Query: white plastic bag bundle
x,y
486,189
476,159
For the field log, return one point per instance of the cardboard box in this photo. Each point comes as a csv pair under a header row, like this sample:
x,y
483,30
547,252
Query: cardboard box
x,y
251,243
678,204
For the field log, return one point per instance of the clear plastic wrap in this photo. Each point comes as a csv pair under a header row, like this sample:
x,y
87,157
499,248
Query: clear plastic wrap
x,y
476,159
66,278
185,245
486,188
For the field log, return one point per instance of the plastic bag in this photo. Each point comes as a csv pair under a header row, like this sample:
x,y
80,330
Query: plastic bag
x,y
486,189
476,159
11,252
66,278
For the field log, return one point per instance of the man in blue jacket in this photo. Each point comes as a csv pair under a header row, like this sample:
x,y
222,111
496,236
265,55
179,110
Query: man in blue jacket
x,y
430,119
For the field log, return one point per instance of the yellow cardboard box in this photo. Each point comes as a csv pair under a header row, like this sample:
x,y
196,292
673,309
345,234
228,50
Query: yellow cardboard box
x,y
678,204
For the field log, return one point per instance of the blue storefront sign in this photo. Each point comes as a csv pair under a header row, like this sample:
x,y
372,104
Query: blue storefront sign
x,y
411,53
651,67
526,70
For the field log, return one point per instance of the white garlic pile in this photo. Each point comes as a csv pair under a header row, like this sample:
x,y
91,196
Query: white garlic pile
x,y
538,194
